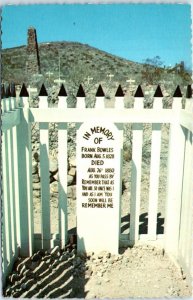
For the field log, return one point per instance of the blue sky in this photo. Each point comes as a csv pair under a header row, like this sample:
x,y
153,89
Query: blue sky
x,y
132,31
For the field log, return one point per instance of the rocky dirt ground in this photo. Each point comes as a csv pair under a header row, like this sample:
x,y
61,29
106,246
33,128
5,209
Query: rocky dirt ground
x,y
141,271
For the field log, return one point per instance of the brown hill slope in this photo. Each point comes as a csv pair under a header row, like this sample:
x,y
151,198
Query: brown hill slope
x,y
75,61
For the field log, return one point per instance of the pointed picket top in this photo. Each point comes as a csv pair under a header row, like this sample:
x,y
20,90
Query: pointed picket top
x,y
2,91
7,92
80,92
100,92
158,92
177,93
12,90
43,92
24,92
139,92
62,91
189,92
119,92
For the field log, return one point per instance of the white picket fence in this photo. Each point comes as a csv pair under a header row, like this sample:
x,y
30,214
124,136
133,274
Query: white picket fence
x,y
18,236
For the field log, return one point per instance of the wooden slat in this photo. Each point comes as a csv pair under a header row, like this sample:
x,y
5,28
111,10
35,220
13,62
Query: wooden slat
x,y
6,197
154,173
154,181
16,186
10,119
174,183
136,174
62,172
4,246
45,178
10,153
25,185
62,182
5,233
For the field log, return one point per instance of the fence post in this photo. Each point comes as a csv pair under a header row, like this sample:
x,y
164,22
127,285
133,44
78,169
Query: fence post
x,y
174,178
136,169
62,171
25,211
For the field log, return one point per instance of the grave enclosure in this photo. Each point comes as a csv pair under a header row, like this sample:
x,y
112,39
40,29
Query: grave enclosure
x,y
99,166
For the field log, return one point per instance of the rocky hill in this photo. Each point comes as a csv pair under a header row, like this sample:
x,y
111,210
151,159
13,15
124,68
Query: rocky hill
x,y
75,62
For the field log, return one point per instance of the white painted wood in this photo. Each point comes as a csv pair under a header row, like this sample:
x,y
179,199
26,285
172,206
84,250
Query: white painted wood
x,y
62,182
119,103
186,221
98,178
174,183
186,120
62,102
3,239
45,178
10,119
80,104
25,210
62,174
7,104
136,174
6,199
154,173
3,106
100,102
16,187
117,116
13,103
10,154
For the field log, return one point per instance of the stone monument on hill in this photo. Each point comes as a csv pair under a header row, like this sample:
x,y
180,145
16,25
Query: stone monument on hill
x,y
33,61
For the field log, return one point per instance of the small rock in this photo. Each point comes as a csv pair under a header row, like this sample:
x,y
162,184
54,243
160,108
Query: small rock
x,y
104,254
55,251
33,265
36,157
23,286
54,187
63,257
88,273
56,176
70,179
36,257
72,161
72,171
23,269
34,168
53,166
71,191
13,278
16,294
36,186
41,268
